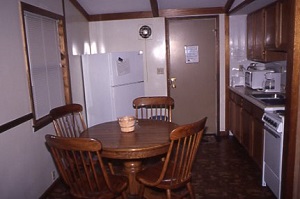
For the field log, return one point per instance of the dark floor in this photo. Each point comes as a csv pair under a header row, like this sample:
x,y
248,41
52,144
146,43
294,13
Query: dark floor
x,y
223,170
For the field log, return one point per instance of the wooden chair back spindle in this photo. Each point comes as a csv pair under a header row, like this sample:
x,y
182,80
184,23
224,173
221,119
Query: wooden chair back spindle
x,y
158,108
176,170
68,120
80,164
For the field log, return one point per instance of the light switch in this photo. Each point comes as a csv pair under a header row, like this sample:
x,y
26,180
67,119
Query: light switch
x,y
160,71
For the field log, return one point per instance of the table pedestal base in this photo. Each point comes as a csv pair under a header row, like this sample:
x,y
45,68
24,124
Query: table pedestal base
x,y
130,169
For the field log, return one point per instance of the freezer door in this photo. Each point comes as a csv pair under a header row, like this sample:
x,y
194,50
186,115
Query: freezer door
x,y
123,97
97,89
126,68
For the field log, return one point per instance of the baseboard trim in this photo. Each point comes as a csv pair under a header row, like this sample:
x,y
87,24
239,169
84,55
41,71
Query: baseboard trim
x,y
50,189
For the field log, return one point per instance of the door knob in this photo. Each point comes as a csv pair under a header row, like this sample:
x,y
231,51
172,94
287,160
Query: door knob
x,y
173,82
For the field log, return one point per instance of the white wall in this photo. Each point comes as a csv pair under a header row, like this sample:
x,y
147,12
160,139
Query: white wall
x,y
123,35
238,43
78,44
26,164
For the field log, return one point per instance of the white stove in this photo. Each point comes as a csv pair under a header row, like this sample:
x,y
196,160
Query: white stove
x,y
273,149
274,120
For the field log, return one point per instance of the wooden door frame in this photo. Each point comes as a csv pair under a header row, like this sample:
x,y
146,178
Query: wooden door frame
x,y
217,54
291,151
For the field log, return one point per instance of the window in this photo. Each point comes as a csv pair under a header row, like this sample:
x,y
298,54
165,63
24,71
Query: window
x,y
46,62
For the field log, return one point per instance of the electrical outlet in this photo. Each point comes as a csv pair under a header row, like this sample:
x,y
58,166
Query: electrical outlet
x,y
53,175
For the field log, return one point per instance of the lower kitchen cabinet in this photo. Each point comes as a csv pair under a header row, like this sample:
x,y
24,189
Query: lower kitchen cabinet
x,y
258,136
246,125
235,112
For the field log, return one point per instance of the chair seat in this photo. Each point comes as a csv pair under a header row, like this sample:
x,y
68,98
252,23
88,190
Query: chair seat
x,y
151,174
173,174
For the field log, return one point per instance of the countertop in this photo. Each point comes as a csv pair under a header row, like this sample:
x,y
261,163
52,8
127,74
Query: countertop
x,y
246,93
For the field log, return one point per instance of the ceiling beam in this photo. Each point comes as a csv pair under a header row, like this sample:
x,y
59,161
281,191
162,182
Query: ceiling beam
x,y
154,8
190,12
80,9
228,5
119,16
162,13
241,5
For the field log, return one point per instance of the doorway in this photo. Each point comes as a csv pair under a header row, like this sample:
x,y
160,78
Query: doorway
x,y
193,69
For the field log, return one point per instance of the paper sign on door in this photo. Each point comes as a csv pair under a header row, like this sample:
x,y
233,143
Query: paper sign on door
x,y
191,54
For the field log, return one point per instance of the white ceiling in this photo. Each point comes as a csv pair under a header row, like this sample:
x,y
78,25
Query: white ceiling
x,y
93,7
98,7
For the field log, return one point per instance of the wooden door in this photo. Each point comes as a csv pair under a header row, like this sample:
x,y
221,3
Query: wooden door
x,y
193,55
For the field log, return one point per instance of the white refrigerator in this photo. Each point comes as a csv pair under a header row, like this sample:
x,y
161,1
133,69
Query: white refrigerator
x,y
111,82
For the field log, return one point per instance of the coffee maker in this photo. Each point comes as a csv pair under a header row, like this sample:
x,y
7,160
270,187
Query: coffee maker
x,y
272,82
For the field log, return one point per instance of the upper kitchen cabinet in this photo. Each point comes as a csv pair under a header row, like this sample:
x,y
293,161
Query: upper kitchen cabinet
x,y
267,34
275,28
255,28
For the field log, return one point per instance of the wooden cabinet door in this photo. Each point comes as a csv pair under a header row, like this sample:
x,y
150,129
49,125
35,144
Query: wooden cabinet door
x,y
232,117
275,27
250,36
276,30
258,50
258,140
271,20
247,126
235,110
238,113
255,36
267,33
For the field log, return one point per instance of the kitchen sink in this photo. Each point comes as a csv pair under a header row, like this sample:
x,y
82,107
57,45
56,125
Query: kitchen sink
x,y
274,101
268,96
270,99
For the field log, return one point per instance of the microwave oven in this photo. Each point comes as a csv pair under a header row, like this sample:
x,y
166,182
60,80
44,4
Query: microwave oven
x,y
255,78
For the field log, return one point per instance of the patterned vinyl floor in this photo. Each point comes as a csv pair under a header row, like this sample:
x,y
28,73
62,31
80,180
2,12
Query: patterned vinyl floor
x,y
222,170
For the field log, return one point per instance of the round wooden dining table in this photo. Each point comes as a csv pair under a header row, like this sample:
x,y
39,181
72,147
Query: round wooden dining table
x,y
150,138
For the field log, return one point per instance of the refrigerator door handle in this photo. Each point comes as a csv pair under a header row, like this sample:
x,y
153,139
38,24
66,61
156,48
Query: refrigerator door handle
x,y
128,84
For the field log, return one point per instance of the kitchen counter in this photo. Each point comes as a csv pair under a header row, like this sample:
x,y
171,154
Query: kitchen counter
x,y
245,118
247,93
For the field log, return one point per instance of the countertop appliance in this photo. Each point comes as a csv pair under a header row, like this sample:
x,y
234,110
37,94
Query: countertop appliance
x,y
272,82
255,78
111,82
273,149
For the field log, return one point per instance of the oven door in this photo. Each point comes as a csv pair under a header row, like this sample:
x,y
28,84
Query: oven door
x,y
272,150
272,162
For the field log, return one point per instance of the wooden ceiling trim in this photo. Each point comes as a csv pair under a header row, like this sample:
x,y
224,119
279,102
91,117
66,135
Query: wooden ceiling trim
x,y
80,9
189,12
228,5
240,6
162,13
154,8
120,16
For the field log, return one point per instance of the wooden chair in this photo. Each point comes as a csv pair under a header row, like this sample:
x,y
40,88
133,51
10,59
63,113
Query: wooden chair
x,y
68,120
80,164
175,171
158,108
